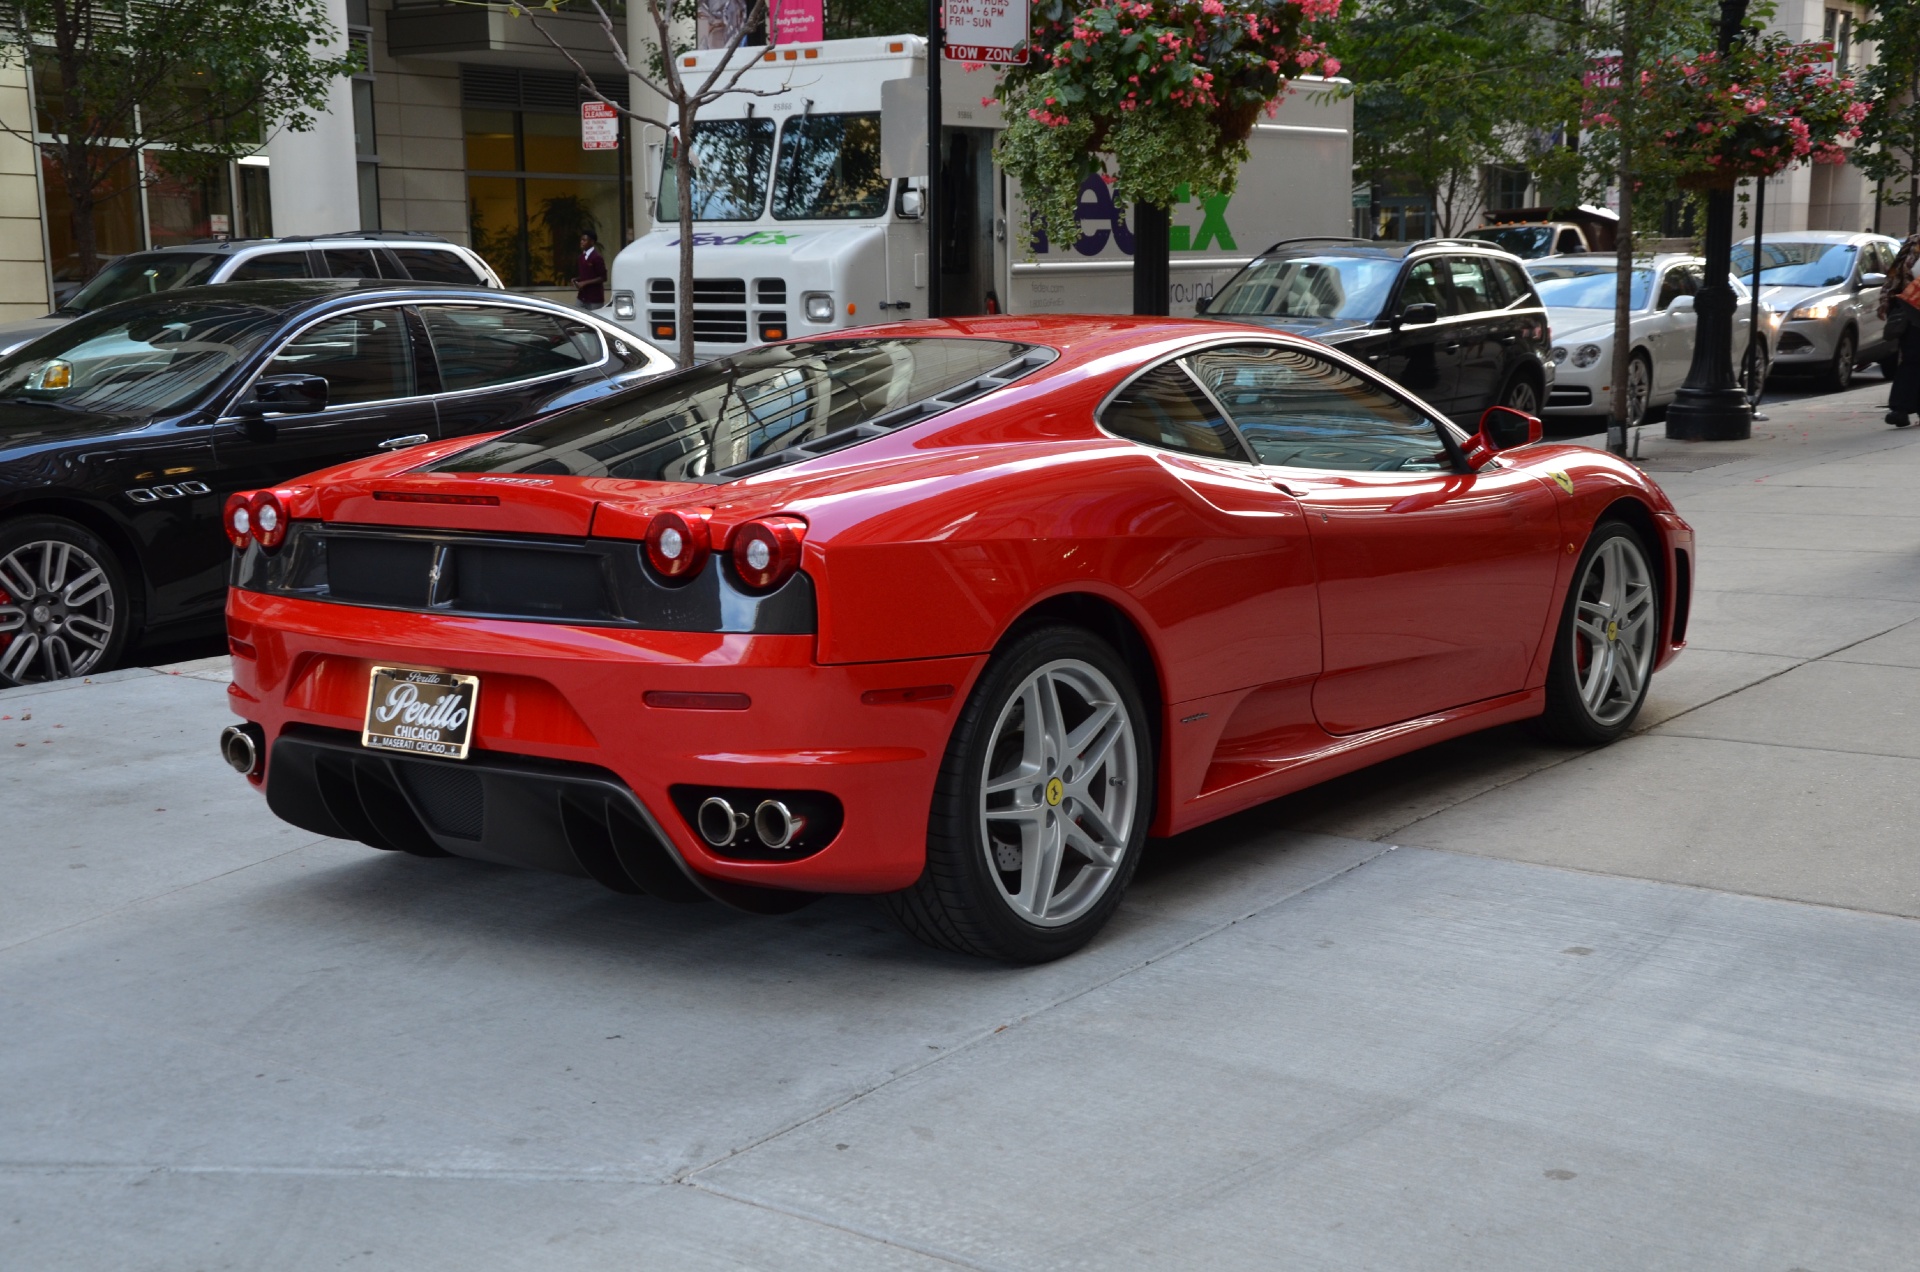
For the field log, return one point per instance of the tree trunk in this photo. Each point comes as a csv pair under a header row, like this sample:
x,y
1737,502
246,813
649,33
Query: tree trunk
x,y
1617,417
683,184
1152,259
83,190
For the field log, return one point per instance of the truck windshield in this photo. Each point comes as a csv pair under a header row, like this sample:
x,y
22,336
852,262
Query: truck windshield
x,y
142,274
1352,287
732,410
1522,240
730,161
830,169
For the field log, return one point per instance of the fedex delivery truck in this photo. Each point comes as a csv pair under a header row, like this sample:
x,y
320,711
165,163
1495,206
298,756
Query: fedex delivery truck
x,y
808,205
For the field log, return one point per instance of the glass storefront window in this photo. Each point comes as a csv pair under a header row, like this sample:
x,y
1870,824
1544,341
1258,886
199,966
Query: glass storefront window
x,y
532,190
183,199
116,223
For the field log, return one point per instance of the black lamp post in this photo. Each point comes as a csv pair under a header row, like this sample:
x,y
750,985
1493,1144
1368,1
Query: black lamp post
x,y
1710,407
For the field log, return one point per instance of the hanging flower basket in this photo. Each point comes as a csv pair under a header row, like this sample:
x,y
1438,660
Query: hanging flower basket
x,y
1170,89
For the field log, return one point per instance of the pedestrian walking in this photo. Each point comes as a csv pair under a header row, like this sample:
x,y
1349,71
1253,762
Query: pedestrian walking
x,y
590,282
1900,306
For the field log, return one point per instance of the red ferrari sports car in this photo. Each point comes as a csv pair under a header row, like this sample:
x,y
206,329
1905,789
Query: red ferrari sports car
x,y
953,612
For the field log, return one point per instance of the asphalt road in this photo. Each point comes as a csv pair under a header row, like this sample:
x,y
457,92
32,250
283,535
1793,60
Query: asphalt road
x,y
1492,1006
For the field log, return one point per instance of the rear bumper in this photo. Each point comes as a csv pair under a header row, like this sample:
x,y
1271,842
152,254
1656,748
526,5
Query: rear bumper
x,y
572,766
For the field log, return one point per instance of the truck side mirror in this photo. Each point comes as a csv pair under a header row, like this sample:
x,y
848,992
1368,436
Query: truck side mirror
x,y
910,205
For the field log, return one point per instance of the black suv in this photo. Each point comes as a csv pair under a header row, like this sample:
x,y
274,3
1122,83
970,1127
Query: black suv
x,y
1456,321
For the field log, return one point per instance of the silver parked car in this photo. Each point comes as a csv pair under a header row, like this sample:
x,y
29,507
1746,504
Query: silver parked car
x,y
1826,286
401,255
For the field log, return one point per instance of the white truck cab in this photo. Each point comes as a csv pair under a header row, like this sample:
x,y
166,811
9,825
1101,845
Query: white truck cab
x,y
806,222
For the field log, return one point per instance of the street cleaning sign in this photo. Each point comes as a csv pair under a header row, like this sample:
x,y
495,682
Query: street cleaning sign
x,y
599,126
990,31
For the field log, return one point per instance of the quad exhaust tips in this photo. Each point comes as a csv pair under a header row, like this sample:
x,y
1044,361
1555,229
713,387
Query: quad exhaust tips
x,y
243,746
774,824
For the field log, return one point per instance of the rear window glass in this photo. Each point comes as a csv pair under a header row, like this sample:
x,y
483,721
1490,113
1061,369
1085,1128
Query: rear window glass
x,y
429,265
271,265
481,346
750,406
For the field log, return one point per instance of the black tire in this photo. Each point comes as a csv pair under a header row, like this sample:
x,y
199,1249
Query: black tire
x,y
1522,393
1755,367
77,626
1568,718
1837,375
961,901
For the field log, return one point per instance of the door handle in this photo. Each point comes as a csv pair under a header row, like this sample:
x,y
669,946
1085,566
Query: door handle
x,y
400,443
1450,348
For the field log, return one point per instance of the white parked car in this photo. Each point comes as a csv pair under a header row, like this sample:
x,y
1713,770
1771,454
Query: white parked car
x,y
1578,292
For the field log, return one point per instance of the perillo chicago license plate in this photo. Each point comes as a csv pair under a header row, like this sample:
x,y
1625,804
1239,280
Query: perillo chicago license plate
x,y
425,712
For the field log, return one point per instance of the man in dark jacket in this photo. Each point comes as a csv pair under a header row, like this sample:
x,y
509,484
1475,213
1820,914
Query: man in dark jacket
x,y
591,281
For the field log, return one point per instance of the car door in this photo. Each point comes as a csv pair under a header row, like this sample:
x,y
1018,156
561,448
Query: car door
x,y
1476,325
1670,335
1874,259
1434,584
501,365
1235,597
1413,355
374,400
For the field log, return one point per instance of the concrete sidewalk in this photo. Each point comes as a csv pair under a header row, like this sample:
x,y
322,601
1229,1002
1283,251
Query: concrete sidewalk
x,y
226,1044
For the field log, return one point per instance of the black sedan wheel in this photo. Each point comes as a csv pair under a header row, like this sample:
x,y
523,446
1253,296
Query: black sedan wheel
x,y
63,602
1042,805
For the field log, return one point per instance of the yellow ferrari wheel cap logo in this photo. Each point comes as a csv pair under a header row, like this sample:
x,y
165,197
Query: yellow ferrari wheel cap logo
x,y
1563,481
1056,791
1613,629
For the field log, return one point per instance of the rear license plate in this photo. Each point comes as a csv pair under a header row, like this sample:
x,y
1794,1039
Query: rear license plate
x,y
423,712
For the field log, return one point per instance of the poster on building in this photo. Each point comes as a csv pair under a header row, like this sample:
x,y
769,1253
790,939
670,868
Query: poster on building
x,y
599,126
991,31
798,21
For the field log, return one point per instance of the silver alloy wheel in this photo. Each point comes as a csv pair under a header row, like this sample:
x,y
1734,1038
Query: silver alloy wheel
x,y
1754,369
1639,390
1522,396
1842,372
1613,631
56,612
1058,792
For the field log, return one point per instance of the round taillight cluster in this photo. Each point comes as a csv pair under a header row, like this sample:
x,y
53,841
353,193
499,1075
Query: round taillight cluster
x,y
678,544
257,516
766,552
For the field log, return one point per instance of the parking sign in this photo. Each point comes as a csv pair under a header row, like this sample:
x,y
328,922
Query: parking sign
x,y
993,31
599,126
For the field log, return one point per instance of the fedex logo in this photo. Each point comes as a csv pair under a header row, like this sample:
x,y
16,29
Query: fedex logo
x,y
1102,221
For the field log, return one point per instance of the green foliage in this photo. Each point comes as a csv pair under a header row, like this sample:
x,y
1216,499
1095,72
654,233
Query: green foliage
x,y
1169,88
847,19
1890,137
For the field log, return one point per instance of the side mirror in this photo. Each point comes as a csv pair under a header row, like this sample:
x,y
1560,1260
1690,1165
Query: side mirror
x,y
910,205
1874,279
286,395
1501,428
1200,304
1420,314
1680,305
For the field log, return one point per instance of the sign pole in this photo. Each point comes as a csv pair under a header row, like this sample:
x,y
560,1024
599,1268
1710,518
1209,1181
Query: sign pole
x,y
934,214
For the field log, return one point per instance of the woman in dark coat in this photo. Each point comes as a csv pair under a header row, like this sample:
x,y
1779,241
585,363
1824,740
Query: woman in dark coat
x,y
1905,398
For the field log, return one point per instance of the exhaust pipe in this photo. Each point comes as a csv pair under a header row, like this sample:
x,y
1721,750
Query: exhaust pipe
x,y
719,821
242,746
776,824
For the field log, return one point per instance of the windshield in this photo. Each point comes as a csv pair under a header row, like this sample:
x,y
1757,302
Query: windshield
x,y
1521,240
142,275
1789,264
1587,286
136,363
830,169
730,161
1353,287
732,410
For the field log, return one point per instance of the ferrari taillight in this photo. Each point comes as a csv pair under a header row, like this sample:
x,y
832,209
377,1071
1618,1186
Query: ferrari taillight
x,y
766,553
269,517
237,520
678,544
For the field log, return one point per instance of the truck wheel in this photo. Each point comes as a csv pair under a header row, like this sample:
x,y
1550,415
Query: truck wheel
x,y
1041,808
64,607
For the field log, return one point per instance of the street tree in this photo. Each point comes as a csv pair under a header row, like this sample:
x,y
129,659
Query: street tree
x,y
1168,90
205,80
1890,138
658,61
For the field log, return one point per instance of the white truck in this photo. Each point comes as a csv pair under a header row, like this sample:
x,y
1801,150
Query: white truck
x,y
807,206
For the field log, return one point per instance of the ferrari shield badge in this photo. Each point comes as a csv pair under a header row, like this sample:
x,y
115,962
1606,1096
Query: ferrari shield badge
x,y
1563,481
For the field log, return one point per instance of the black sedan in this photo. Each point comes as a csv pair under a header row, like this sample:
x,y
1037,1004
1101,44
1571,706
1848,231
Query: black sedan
x,y
122,434
1455,320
